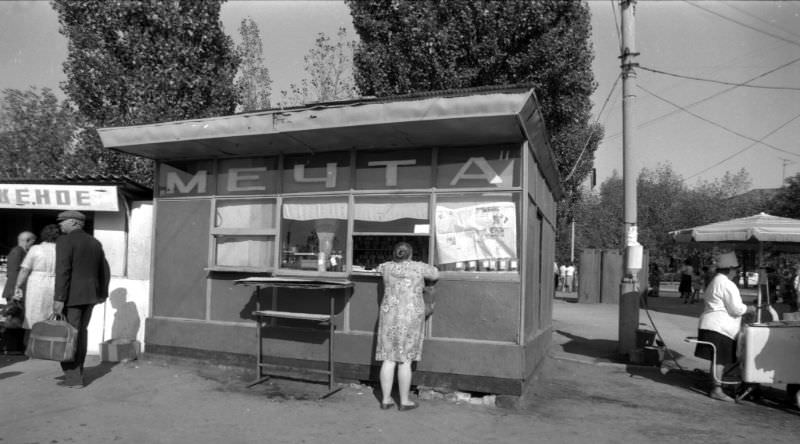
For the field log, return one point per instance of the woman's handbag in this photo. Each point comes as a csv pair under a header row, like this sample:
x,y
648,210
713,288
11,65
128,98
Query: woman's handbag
x,y
53,339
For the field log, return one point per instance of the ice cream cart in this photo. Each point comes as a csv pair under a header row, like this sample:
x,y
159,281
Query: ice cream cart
x,y
769,352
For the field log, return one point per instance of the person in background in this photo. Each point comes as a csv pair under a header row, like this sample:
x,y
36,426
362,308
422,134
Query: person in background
x,y
569,277
654,279
721,320
82,277
401,322
36,281
562,276
555,277
697,287
795,289
685,284
15,257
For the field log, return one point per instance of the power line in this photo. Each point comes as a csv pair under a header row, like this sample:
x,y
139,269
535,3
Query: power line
x,y
747,148
591,130
728,4
775,36
657,118
721,82
744,136
616,25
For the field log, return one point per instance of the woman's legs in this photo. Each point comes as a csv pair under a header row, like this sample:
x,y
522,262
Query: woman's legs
x,y
404,382
387,380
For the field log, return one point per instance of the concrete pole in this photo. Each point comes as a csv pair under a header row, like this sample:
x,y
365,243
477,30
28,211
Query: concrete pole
x,y
629,288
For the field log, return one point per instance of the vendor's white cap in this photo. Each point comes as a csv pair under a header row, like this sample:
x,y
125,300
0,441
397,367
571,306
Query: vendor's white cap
x,y
727,260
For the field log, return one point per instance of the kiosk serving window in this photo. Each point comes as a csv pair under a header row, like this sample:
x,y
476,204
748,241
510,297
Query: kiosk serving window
x,y
244,233
314,233
477,232
382,221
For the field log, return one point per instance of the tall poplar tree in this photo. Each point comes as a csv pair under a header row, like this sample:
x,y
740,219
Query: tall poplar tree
x,y
139,62
253,82
410,46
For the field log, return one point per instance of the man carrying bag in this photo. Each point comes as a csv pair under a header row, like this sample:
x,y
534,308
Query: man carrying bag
x,y
82,277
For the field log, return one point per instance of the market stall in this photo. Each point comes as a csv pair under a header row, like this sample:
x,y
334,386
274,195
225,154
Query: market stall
x,y
118,213
769,350
466,177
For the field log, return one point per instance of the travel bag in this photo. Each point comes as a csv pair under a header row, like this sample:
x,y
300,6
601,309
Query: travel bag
x,y
52,339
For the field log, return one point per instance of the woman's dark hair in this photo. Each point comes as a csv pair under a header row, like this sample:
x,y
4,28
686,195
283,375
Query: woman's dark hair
x,y
402,251
50,233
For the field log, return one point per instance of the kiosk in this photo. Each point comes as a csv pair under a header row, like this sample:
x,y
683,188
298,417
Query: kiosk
x,y
324,191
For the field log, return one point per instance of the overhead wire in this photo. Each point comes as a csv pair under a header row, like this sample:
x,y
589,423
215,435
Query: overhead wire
x,y
745,148
591,130
730,5
722,16
707,98
744,136
721,82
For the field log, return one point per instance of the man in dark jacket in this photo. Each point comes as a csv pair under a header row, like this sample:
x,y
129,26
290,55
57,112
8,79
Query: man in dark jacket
x,y
15,257
82,277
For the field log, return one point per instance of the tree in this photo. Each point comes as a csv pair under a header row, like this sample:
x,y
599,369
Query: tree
x,y
253,84
38,134
132,63
329,67
411,46
786,202
665,203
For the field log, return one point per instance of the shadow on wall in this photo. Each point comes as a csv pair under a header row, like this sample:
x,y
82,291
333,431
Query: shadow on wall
x,y
126,318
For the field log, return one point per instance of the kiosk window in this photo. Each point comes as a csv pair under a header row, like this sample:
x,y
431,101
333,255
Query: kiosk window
x,y
477,232
314,233
244,234
381,222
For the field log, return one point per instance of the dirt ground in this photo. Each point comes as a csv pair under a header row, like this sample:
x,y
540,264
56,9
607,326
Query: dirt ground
x,y
170,400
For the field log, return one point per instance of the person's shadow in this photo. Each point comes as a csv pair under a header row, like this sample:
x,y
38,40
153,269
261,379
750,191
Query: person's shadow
x,y
126,319
125,328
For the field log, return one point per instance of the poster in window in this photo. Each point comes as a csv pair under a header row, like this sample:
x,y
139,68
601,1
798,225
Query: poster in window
x,y
474,232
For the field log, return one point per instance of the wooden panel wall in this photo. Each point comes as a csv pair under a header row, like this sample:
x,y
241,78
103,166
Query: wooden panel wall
x,y
180,254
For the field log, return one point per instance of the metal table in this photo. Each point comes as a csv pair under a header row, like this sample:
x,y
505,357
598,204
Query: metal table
x,y
330,287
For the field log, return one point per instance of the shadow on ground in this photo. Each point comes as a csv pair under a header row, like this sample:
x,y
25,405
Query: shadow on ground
x,y
592,348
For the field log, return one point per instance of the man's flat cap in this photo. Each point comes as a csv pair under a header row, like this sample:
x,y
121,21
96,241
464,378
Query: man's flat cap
x,y
70,214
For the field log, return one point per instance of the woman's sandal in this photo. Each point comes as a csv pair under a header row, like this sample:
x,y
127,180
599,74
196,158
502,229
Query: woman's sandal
x,y
403,407
387,406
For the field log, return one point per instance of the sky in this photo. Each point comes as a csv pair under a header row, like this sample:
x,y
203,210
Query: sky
x,y
677,120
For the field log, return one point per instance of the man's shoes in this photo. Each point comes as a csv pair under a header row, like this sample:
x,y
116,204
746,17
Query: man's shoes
x,y
386,406
72,379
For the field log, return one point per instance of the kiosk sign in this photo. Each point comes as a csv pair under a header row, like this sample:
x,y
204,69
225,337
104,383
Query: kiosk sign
x,y
58,197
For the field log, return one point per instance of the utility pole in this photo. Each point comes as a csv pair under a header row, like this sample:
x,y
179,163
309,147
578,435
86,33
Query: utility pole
x,y
629,288
783,172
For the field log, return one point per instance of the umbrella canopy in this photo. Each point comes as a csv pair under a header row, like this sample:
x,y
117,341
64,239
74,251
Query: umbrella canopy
x,y
761,228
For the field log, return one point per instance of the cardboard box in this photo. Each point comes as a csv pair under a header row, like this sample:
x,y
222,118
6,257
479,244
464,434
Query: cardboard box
x,y
115,350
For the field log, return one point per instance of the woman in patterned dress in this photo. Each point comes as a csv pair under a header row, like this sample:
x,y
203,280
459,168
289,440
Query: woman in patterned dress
x,y
37,277
401,322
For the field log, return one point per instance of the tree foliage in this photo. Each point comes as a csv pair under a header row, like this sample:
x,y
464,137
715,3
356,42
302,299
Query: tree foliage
x,y
411,46
786,202
253,82
664,203
138,62
329,72
38,134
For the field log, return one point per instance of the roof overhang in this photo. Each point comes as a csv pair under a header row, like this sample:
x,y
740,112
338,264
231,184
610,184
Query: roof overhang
x,y
493,117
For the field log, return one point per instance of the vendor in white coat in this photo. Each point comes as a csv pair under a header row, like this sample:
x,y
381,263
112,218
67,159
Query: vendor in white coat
x,y
721,320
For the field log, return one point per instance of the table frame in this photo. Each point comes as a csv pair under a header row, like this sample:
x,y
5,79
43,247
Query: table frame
x,y
329,286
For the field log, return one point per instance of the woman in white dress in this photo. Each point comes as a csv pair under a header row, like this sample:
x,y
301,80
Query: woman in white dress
x,y
37,276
